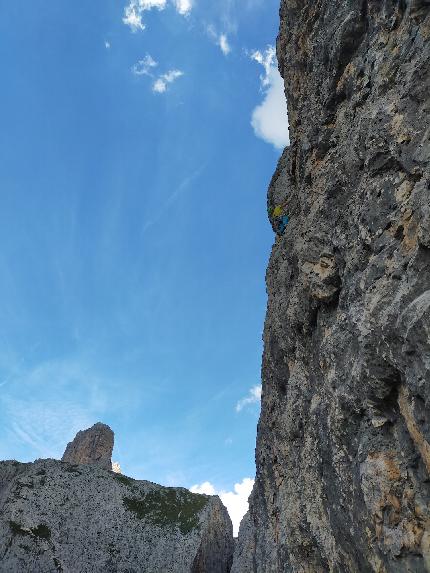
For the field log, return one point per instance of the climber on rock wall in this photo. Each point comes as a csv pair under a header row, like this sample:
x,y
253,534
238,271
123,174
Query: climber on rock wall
x,y
280,219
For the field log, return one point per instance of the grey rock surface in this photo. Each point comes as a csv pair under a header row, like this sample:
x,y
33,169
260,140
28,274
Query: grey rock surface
x,y
244,551
343,448
59,517
92,446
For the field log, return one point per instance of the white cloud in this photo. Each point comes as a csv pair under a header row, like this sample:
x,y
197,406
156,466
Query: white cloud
x,y
204,488
235,501
224,45
253,397
267,59
144,67
161,83
133,12
172,76
159,86
149,4
183,6
220,40
107,45
133,17
270,118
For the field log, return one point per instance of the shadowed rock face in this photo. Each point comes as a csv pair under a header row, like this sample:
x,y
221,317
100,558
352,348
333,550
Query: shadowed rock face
x,y
57,516
343,450
93,446
245,549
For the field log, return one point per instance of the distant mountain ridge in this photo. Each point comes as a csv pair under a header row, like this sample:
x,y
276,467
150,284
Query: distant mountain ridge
x,y
81,517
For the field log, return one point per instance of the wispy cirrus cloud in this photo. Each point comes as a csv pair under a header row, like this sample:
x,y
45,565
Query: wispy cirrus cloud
x,y
134,11
173,197
224,44
221,40
270,118
45,426
42,407
253,397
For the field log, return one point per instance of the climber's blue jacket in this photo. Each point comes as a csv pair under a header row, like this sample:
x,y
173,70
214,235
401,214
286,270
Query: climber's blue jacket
x,y
283,222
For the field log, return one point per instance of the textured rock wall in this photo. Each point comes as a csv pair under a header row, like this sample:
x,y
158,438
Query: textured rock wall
x,y
343,450
93,446
59,517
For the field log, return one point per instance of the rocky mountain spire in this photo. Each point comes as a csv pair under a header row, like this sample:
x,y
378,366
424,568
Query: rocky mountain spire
x,y
93,446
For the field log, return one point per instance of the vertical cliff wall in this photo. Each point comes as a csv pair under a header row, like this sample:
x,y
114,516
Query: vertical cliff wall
x,y
343,450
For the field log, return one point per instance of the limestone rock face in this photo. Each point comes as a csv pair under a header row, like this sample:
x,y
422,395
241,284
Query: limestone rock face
x,y
244,552
93,446
58,516
116,468
343,449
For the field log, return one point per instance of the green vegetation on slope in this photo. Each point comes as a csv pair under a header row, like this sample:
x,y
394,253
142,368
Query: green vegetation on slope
x,y
124,480
41,531
169,507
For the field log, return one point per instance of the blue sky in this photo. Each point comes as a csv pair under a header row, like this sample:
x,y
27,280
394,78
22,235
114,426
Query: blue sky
x,y
133,177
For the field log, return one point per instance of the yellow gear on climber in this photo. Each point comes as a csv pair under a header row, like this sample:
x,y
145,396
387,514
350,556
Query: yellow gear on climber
x,y
278,211
280,218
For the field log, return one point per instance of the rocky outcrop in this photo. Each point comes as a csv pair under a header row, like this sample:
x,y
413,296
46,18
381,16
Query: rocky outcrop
x,y
343,449
93,446
244,551
116,467
69,518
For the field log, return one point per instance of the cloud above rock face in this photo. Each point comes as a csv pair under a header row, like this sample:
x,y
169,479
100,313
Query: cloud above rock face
x,y
235,501
134,11
253,397
270,118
